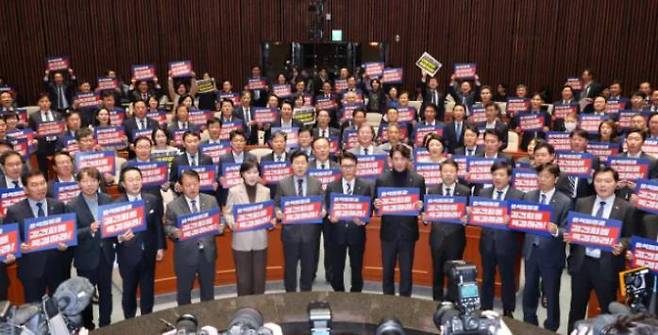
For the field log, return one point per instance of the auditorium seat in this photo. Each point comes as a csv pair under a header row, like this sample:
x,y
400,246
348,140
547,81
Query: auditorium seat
x,y
260,152
374,119
512,142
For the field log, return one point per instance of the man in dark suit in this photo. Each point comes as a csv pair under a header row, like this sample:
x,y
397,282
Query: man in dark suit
x,y
454,130
634,141
431,95
246,113
236,156
40,270
259,95
591,89
593,268
194,257
447,240
285,120
139,121
499,248
278,145
13,169
544,256
73,124
577,187
93,256
138,252
399,233
60,90
299,240
346,235
470,147
191,157
46,145
322,128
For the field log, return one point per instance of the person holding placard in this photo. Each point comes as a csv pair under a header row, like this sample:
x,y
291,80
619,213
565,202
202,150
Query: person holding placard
x,y
455,130
431,95
94,256
592,268
193,257
246,113
464,92
447,240
299,240
46,144
366,146
236,156
60,89
249,247
499,248
634,141
573,186
40,271
348,237
137,252
492,115
138,123
179,89
322,128
532,124
13,168
544,256
73,123
399,233
181,123
63,167
192,157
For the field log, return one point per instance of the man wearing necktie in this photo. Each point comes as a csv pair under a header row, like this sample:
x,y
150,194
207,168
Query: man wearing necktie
x,y
193,258
299,240
40,271
593,268
454,131
499,248
139,122
545,255
572,186
347,237
13,167
191,157
138,252
46,145
59,89
447,240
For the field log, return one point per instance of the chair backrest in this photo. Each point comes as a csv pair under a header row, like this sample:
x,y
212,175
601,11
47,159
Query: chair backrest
x,y
512,142
260,152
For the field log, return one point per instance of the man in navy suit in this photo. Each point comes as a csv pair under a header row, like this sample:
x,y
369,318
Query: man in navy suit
x,y
236,156
40,270
544,256
60,90
577,187
470,147
285,120
454,131
447,240
47,144
246,113
499,248
191,157
347,234
93,256
138,252
139,121
593,268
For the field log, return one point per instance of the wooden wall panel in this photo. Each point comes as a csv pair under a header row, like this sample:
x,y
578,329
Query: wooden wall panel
x,y
537,42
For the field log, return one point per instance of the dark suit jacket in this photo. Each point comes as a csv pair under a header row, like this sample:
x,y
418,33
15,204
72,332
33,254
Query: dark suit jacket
x,y
346,231
90,248
130,126
250,132
461,151
34,120
653,173
441,230
181,160
499,241
69,91
185,251
610,265
501,128
450,136
295,233
277,124
270,157
145,243
427,98
551,250
33,265
332,132
400,227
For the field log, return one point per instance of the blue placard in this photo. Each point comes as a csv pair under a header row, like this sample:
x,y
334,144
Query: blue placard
x,y
645,253
154,174
346,207
370,166
250,217
194,226
575,164
593,232
46,233
488,213
632,169
530,217
104,161
207,173
302,210
590,122
65,191
117,218
444,209
524,179
647,194
399,201
479,169
10,241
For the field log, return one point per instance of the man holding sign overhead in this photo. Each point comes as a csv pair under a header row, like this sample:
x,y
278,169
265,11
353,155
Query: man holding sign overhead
x,y
38,270
399,230
299,237
194,255
592,268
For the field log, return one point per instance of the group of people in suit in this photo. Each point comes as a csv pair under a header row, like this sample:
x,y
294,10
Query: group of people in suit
x,y
601,194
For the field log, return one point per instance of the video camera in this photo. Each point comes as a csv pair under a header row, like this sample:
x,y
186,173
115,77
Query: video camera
x,y
56,315
636,285
460,315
